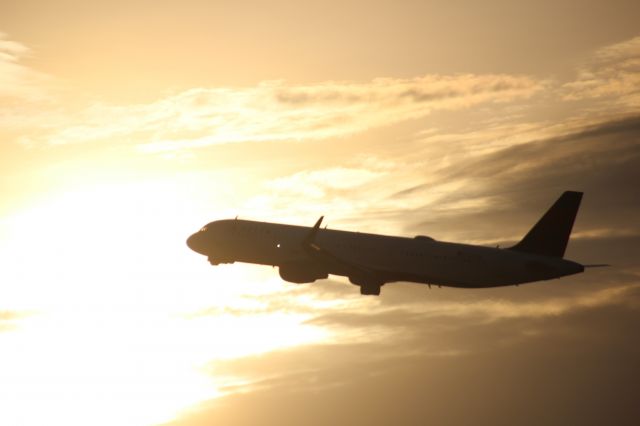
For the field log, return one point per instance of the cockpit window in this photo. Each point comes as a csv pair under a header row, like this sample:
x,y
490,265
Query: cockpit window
x,y
203,229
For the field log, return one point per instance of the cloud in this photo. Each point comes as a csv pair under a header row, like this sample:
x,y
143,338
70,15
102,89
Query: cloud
x,y
483,310
421,375
17,81
337,192
8,319
276,111
612,73
336,179
602,160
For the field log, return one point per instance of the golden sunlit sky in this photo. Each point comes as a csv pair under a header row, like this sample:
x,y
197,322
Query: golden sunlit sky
x,y
127,125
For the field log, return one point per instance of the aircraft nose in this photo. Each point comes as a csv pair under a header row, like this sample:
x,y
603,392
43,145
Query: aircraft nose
x,y
197,243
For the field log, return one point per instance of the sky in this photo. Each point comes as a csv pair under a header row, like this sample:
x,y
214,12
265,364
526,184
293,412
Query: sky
x,y
126,126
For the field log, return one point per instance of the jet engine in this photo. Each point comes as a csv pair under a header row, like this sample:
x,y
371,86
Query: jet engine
x,y
302,272
367,285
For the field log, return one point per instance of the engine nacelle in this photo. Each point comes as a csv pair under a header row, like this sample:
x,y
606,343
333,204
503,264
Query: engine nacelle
x,y
367,285
301,273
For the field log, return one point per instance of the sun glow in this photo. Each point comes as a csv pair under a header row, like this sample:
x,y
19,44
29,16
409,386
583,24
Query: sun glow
x,y
118,319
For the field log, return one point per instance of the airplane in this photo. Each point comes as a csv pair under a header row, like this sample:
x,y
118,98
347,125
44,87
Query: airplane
x,y
306,254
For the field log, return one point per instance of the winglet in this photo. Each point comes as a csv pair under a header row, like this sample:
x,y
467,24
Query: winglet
x,y
311,236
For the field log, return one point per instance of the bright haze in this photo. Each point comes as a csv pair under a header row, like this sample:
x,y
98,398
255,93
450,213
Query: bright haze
x,y
127,125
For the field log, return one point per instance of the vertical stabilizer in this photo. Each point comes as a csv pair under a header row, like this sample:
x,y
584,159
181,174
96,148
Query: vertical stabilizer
x,y
550,235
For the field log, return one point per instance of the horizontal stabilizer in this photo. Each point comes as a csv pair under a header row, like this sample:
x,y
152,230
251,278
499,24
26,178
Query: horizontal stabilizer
x,y
549,237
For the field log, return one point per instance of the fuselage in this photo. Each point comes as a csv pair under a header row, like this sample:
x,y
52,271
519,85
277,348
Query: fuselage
x,y
364,257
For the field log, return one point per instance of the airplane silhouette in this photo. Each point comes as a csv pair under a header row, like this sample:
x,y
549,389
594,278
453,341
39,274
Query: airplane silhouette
x,y
306,254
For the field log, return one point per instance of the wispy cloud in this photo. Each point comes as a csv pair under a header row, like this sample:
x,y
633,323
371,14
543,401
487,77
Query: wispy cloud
x,y
279,111
8,319
612,73
477,310
18,81
276,111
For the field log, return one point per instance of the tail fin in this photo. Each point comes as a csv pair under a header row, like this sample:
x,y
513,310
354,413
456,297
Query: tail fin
x,y
550,235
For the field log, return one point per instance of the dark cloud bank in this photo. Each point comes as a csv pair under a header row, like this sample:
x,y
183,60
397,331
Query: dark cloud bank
x,y
578,368
602,160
